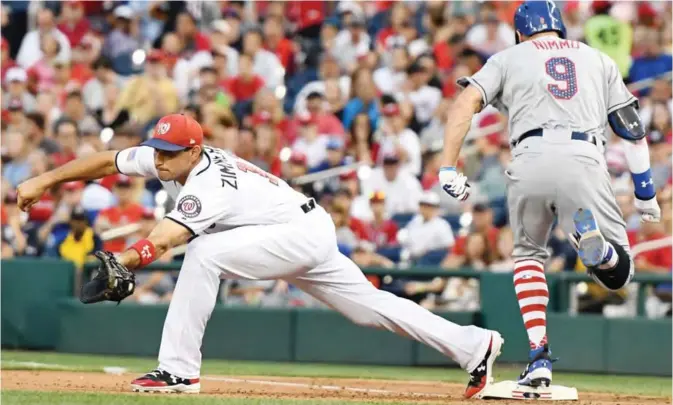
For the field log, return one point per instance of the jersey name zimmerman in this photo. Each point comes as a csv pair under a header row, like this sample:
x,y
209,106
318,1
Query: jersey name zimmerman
x,y
227,171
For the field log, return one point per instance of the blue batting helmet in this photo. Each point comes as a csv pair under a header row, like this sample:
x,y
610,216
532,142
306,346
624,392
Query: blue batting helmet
x,y
533,17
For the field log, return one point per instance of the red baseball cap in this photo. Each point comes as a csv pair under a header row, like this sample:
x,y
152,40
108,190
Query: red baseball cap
x,y
176,132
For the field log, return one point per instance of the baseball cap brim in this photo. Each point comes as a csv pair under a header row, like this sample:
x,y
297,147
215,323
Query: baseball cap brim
x,y
163,145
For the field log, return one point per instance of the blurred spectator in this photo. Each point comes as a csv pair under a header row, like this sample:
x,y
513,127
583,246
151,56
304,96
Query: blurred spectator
x,y
482,224
265,63
346,237
610,35
246,84
490,36
125,212
6,61
73,23
275,41
328,71
403,191
654,60
187,30
16,91
363,93
79,242
502,260
424,98
44,71
31,50
95,89
351,43
125,36
310,142
151,95
36,136
395,138
660,148
14,242
390,78
109,116
380,230
625,201
75,110
427,230
66,134
335,158
15,152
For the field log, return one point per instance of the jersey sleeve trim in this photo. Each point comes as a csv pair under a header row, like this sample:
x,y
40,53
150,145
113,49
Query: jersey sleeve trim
x,y
183,224
623,104
465,81
116,165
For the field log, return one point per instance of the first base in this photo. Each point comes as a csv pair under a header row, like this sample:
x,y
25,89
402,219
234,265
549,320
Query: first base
x,y
512,390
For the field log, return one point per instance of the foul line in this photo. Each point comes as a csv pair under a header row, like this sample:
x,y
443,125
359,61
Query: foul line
x,y
119,370
323,387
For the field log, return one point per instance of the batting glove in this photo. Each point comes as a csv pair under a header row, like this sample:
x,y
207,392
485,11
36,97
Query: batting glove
x,y
649,209
454,183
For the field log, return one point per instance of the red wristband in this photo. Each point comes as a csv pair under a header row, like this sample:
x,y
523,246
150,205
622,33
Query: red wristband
x,y
145,250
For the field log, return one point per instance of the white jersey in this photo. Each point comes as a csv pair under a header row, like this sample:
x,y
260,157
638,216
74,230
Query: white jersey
x,y
222,192
552,83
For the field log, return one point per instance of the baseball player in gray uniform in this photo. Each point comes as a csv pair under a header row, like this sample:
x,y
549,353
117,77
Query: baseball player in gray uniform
x,y
560,95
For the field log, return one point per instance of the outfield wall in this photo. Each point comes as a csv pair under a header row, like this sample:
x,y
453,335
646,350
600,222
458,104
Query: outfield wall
x,y
39,312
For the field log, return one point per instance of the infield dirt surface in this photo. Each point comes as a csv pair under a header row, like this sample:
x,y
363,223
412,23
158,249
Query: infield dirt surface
x,y
284,388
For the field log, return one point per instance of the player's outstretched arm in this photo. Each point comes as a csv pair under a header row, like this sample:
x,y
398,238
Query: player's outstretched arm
x,y
91,167
165,236
468,103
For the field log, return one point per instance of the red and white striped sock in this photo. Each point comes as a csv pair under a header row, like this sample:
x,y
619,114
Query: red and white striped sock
x,y
532,293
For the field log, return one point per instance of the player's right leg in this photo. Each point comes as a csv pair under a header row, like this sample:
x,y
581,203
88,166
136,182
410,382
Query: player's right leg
x,y
530,203
340,284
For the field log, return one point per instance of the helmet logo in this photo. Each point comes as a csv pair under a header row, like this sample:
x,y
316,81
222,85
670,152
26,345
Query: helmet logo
x,y
163,128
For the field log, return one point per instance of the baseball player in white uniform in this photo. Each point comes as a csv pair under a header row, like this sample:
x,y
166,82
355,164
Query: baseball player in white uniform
x,y
240,222
560,95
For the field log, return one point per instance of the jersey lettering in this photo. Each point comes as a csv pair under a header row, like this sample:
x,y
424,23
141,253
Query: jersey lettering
x,y
556,44
562,69
248,168
227,171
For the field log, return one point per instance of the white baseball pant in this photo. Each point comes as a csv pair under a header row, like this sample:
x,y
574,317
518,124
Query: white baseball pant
x,y
303,252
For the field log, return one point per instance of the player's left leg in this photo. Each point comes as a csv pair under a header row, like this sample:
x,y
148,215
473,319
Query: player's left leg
x,y
339,283
597,229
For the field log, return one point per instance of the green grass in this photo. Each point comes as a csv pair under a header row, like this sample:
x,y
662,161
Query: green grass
x,y
66,398
621,384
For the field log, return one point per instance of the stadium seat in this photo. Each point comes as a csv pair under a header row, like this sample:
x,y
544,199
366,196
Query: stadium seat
x,y
402,219
454,221
390,252
431,258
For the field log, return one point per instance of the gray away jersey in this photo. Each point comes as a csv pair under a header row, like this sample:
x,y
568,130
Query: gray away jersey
x,y
552,83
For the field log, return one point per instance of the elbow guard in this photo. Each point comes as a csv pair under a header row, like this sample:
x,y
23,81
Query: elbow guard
x,y
626,124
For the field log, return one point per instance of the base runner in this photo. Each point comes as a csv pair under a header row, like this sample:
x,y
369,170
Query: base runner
x,y
240,222
560,95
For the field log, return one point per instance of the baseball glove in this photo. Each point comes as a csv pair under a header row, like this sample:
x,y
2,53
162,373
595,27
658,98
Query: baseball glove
x,y
112,282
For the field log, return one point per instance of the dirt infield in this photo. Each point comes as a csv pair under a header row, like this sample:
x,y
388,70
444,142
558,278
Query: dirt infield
x,y
284,387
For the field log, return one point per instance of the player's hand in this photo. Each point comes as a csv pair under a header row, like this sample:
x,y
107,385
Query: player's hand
x,y
649,210
454,183
29,192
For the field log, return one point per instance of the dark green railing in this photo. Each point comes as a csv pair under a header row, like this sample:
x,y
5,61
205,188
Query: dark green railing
x,y
563,280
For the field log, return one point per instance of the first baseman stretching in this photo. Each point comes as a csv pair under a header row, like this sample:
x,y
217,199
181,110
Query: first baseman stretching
x,y
240,222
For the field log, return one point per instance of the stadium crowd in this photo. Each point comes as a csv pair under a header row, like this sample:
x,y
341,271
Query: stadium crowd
x,y
297,88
